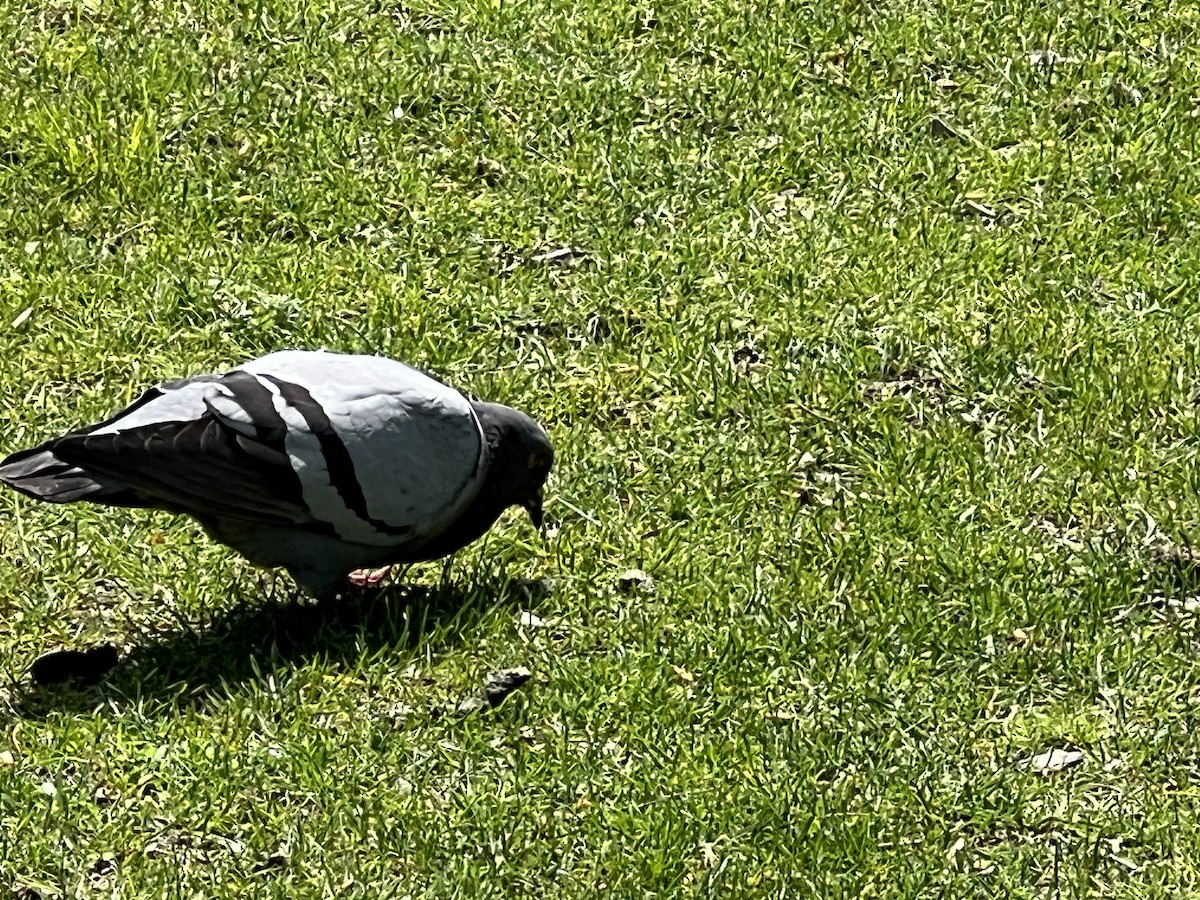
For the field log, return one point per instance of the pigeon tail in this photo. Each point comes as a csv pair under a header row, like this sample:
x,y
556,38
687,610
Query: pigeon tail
x,y
38,473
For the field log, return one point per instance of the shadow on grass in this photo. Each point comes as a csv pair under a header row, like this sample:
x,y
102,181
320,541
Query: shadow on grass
x,y
191,667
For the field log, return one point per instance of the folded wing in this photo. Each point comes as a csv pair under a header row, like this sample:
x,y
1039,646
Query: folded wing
x,y
362,448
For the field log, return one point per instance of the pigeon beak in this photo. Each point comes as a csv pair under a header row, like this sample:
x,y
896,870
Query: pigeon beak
x,y
533,505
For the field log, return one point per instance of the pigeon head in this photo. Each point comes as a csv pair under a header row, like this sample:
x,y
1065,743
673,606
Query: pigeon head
x,y
520,458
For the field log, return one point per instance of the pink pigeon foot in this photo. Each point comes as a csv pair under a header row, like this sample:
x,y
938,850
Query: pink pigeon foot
x,y
369,577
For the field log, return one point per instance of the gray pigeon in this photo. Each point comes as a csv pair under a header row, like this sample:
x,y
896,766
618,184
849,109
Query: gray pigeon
x,y
322,463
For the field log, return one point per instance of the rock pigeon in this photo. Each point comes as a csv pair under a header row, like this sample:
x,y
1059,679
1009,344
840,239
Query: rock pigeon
x,y
318,462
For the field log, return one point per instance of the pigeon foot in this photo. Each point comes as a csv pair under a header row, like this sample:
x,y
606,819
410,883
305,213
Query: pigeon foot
x,y
370,577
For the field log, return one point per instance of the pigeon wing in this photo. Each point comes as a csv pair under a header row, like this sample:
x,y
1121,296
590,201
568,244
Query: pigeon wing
x,y
363,448
384,451
212,447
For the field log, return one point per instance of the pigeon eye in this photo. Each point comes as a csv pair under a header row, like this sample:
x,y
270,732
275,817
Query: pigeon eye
x,y
537,462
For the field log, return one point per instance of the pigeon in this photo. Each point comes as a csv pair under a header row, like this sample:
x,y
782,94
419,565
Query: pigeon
x,y
317,462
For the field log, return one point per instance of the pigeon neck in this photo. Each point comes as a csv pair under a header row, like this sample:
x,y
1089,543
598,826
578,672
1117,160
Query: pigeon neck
x,y
488,498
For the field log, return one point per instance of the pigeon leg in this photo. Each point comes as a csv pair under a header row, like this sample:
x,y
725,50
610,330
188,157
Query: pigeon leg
x,y
370,577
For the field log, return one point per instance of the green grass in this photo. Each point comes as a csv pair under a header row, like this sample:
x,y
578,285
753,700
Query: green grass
x,y
881,361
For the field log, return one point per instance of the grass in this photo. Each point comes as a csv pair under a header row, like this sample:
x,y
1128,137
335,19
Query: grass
x,y
878,352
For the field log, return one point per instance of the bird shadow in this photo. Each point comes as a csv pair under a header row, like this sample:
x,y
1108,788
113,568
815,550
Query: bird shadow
x,y
192,667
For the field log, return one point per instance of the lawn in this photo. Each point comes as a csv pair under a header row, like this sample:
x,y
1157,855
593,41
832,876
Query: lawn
x,y
867,330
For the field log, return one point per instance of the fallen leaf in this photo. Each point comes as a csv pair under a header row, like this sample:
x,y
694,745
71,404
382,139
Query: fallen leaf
x,y
26,891
952,853
683,674
1047,58
837,56
561,256
789,201
22,317
1128,93
233,845
536,588
980,210
500,684
1053,760
1126,862
598,328
489,170
472,704
276,859
103,866
940,129
530,620
6,758
634,580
